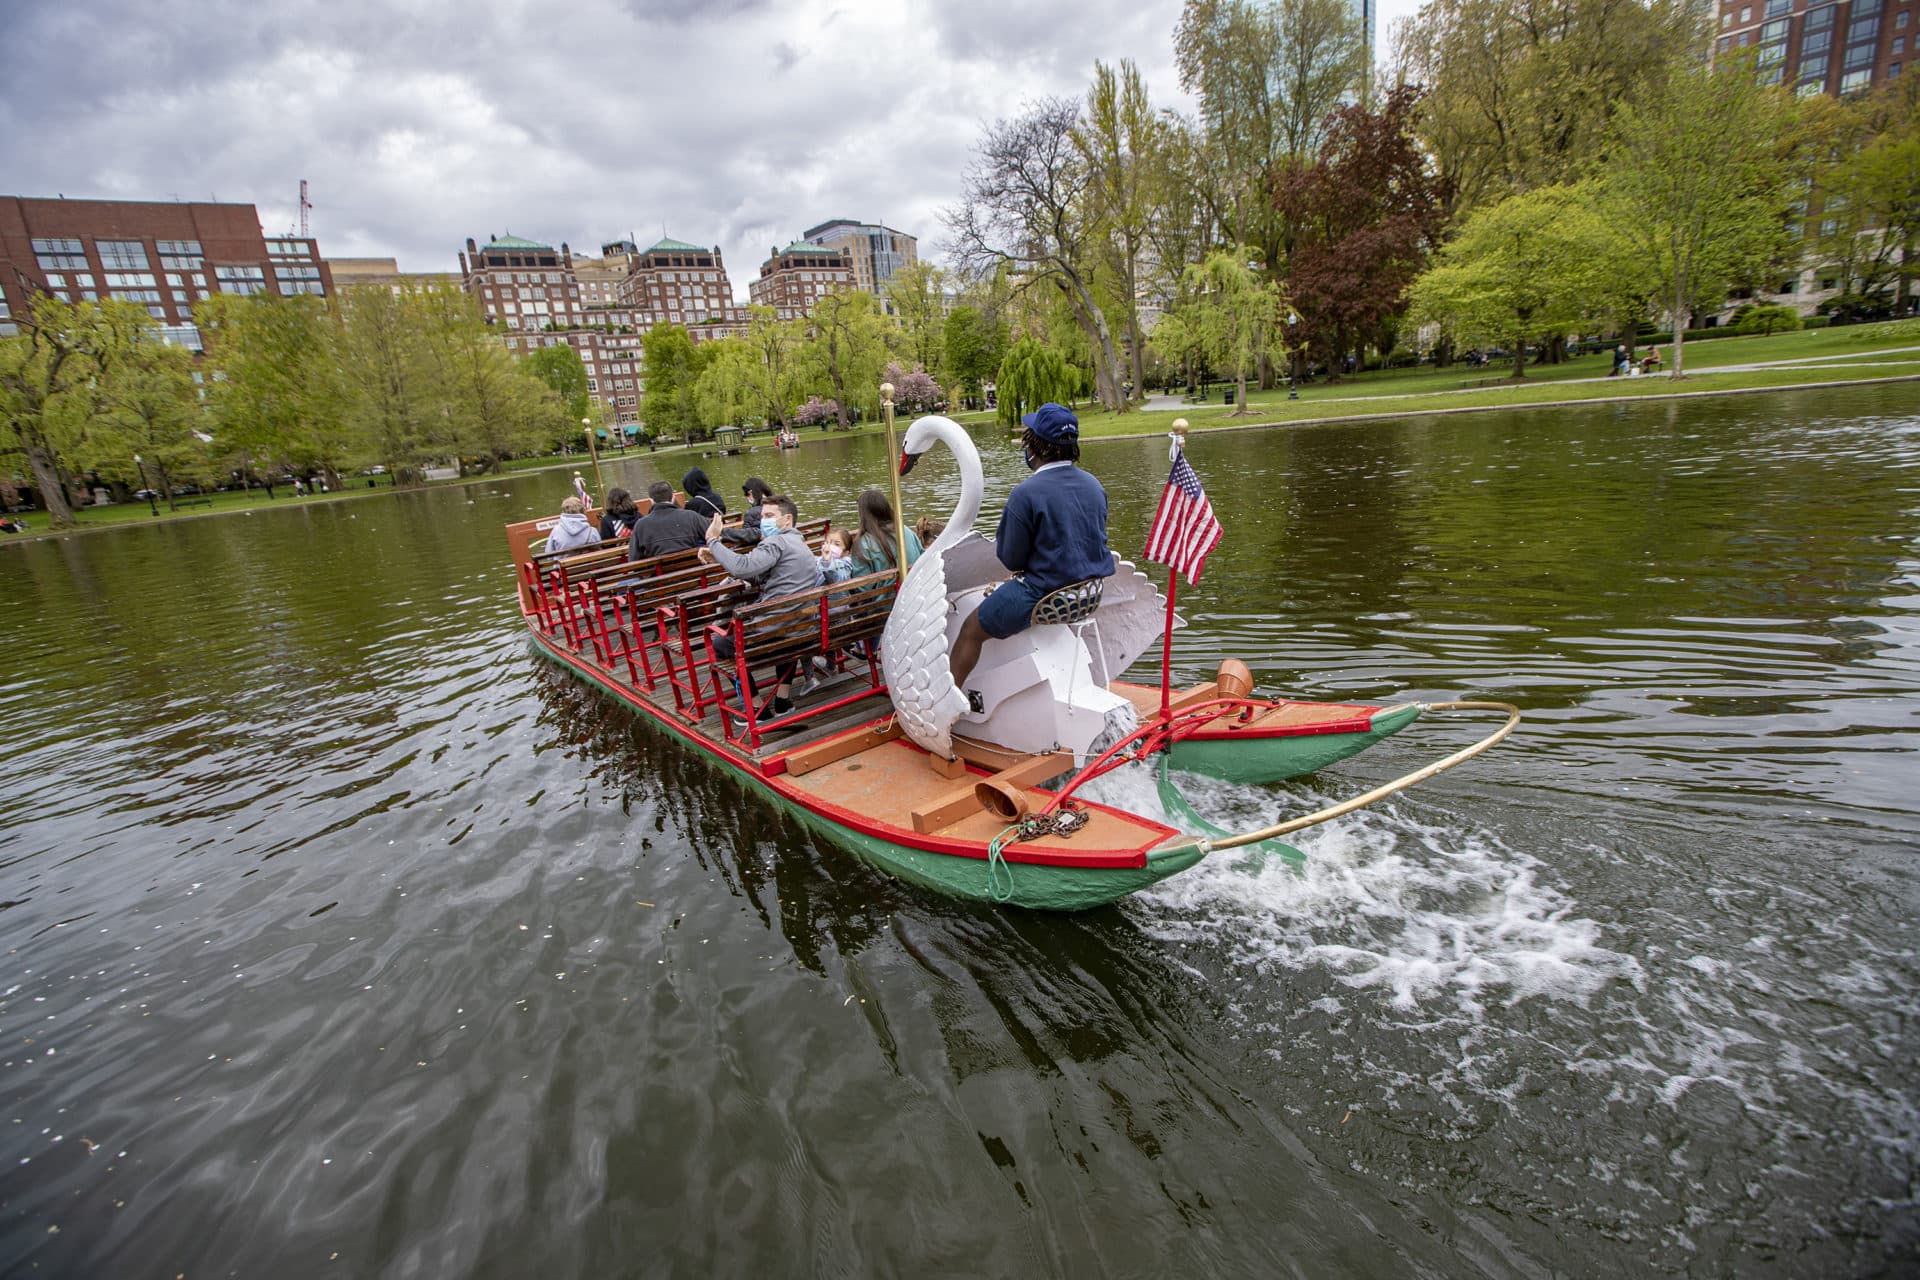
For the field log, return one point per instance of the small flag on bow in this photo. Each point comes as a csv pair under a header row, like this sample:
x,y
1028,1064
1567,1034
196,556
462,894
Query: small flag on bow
x,y
1184,529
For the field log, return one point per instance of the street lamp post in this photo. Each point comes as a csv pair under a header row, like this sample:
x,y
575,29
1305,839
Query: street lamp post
x,y
142,468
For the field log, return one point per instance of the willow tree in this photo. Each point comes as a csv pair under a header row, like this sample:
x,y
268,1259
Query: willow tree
x,y
1025,209
1031,374
1236,315
489,407
149,407
49,375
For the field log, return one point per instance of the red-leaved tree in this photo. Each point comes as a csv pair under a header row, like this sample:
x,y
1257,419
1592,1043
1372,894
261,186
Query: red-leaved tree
x,y
1361,220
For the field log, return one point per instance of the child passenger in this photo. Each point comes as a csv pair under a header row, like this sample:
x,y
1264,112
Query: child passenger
x,y
836,560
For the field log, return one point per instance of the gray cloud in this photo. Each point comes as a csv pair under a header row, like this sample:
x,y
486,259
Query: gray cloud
x,y
419,124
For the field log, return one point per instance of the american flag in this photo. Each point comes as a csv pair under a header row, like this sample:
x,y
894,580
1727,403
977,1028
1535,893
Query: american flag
x,y
1184,529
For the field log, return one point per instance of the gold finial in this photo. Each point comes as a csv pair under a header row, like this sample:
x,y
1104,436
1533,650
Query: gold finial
x,y
886,391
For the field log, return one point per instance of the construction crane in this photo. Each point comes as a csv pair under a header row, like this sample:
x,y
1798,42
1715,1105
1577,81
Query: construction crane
x,y
306,207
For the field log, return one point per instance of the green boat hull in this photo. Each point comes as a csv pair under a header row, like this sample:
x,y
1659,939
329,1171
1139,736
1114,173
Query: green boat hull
x,y
1022,884
1252,761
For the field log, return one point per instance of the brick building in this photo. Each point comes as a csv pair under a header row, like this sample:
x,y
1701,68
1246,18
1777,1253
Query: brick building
x,y
1821,46
1837,47
794,278
164,256
875,251
674,282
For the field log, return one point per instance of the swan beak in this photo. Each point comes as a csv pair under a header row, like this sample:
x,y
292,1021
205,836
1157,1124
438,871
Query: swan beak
x,y
906,462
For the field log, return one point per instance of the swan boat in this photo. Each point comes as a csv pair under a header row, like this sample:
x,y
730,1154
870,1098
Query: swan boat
x,y
884,757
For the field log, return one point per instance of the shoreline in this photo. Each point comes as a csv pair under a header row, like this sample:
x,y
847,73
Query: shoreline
x,y
1194,429
1210,428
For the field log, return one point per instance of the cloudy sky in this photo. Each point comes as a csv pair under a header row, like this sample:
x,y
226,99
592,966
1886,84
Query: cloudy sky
x,y
420,123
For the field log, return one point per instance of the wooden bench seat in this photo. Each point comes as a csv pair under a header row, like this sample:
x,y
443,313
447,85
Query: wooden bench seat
x,y
841,623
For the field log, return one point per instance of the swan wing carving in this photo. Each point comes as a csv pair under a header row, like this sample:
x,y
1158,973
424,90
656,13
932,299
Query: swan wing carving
x,y
913,646
1131,617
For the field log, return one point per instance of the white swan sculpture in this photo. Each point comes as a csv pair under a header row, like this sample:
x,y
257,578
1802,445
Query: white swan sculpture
x,y
1044,689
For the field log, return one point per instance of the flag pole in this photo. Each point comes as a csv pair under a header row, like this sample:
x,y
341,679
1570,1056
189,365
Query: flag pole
x,y
893,466
1173,587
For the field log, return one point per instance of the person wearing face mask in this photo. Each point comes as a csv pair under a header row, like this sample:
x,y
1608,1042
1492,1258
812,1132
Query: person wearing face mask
x,y
780,566
1052,534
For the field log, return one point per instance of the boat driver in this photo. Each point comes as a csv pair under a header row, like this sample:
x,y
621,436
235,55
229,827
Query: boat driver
x,y
1052,534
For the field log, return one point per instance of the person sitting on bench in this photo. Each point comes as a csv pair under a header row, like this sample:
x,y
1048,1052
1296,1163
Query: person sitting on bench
x,y
665,528
780,566
1053,534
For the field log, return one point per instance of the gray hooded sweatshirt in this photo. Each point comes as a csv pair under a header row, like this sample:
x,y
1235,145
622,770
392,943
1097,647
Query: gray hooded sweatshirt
x,y
572,531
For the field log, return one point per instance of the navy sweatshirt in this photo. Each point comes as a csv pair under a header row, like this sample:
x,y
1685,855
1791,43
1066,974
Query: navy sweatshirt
x,y
1054,529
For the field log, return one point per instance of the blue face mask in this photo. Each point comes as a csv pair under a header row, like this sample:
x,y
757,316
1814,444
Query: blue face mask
x,y
768,526
1028,455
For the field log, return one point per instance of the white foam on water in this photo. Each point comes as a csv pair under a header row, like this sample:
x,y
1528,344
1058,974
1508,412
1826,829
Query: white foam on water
x,y
1429,916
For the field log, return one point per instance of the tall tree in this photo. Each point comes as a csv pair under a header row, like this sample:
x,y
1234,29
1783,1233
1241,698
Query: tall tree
x,y
1365,215
1120,140
1521,271
151,406
1521,93
917,295
560,367
276,399
1869,229
1705,163
670,369
1268,75
846,347
492,408
48,378
1024,208
974,346
385,379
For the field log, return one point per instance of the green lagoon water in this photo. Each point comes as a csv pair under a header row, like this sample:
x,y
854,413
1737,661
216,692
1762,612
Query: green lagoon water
x,y
344,937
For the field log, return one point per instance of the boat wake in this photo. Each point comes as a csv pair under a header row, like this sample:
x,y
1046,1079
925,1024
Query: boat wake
x,y
1384,902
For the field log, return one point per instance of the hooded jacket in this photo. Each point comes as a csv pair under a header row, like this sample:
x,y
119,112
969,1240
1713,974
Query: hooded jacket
x,y
572,531
701,499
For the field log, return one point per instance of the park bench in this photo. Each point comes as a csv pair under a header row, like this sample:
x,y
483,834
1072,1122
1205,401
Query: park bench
x,y
841,623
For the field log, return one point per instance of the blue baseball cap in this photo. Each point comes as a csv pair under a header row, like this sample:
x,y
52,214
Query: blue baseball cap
x,y
1052,423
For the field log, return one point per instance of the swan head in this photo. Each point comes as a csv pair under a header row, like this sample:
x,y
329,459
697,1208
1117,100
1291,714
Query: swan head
x,y
920,438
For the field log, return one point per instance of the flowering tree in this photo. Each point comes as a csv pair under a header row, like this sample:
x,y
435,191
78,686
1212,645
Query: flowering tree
x,y
816,412
914,392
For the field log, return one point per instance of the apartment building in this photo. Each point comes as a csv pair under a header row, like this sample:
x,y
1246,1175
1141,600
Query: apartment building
x,y
794,278
875,251
1837,47
165,256
1821,46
